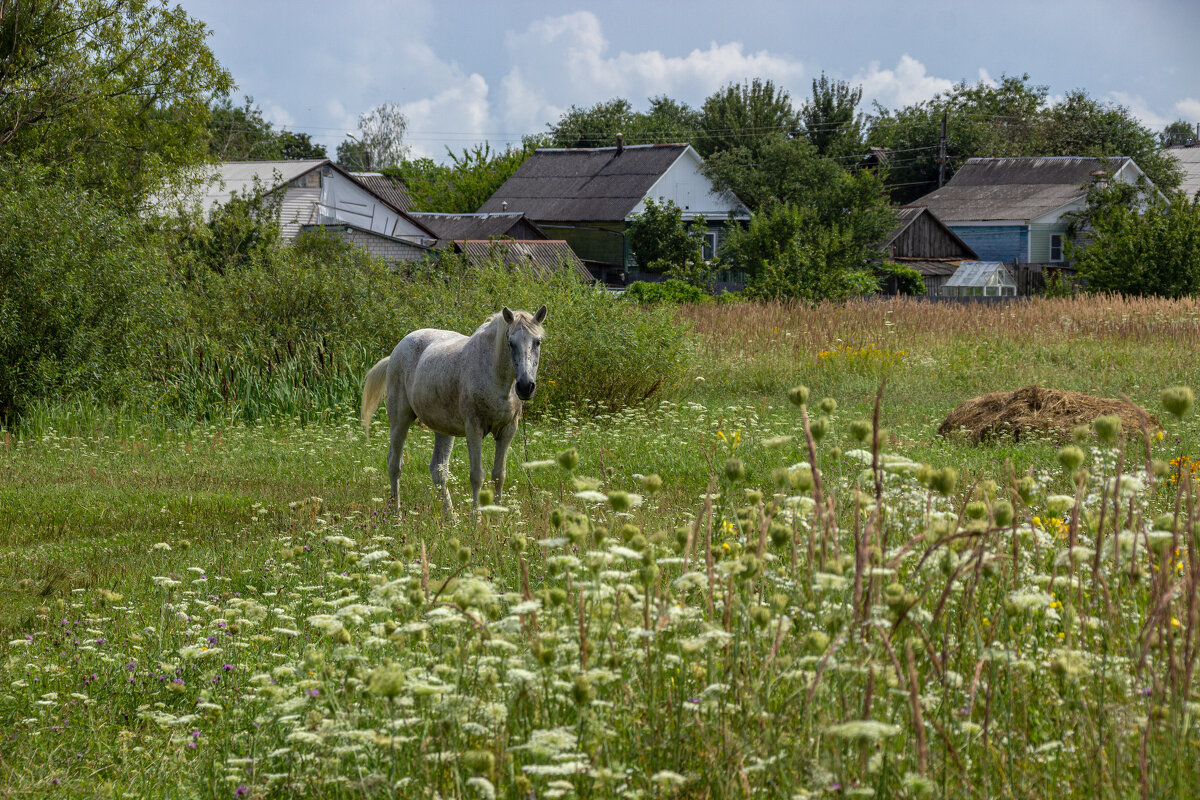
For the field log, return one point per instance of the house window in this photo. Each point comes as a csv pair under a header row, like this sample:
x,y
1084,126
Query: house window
x,y
1056,247
710,245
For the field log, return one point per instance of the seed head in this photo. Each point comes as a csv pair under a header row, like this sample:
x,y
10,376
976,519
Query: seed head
x,y
798,395
761,616
651,483
1178,400
568,459
581,690
944,481
1002,510
976,509
819,428
828,405
860,430
486,496
1108,428
735,469
1070,457
620,501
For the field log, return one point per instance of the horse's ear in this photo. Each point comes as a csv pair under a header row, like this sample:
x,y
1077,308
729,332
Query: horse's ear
x,y
540,315
507,314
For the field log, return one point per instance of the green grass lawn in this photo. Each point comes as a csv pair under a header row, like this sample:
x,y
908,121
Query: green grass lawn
x,y
198,610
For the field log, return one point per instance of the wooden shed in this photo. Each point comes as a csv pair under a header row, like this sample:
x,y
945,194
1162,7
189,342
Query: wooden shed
x,y
922,241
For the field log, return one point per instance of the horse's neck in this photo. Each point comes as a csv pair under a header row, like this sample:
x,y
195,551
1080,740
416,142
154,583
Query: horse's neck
x,y
502,368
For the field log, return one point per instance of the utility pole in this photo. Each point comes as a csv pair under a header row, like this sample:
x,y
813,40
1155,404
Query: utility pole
x,y
942,153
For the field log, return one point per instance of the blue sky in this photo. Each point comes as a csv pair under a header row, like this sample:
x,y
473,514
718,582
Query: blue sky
x,y
467,72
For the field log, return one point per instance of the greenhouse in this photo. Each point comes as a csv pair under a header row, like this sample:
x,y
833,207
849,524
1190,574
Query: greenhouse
x,y
980,279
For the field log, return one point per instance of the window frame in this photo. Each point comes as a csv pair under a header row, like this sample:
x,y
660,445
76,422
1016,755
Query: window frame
x,y
1061,241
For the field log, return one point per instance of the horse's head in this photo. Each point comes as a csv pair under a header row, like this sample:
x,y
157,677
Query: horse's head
x,y
524,347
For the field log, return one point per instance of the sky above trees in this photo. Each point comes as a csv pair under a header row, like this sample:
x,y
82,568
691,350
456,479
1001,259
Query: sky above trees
x,y
466,72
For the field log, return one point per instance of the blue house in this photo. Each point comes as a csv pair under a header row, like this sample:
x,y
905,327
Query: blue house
x,y
1016,209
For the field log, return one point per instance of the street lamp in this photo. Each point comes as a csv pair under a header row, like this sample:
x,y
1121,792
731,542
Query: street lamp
x,y
363,145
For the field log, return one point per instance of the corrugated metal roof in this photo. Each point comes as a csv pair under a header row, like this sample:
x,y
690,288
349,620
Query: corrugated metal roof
x,y
584,185
1015,189
931,267
390,189
541,258
1188,159
454,227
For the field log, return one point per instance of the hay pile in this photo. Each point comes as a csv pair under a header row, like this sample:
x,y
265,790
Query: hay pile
x,y
1036,410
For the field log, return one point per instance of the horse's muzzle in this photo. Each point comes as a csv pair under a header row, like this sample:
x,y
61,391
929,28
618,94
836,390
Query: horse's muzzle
x,y
525,389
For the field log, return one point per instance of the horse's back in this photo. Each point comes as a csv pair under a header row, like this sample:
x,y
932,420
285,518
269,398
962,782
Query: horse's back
x,y
429,365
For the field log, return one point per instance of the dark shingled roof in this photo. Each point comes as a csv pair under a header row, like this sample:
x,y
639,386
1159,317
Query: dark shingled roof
x,y
541,258
452,227
1015,189
390,189
584,185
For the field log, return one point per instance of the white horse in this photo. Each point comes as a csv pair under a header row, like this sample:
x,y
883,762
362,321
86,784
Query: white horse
x,y
458,386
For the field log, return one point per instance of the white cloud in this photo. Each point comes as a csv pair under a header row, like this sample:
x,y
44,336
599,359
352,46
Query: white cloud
x,y
455,117
562,61
908,83
1138,106
1189,109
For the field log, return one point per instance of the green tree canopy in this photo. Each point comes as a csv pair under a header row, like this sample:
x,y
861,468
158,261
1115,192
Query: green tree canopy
x,y
748,116
666,120
831,119
1013,117
239,133
114,95
464,184
1177,133
661,239
1139,245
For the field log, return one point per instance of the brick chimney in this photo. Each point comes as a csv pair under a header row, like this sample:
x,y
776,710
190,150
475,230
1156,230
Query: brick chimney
x,y
620,143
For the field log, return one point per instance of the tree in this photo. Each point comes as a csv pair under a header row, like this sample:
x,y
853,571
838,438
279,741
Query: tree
x,y
596,126
465,184
831,119
380,140
1011,118
241,134
114,95
661,239
353,156
1149,250
747,116
1179,132
790,254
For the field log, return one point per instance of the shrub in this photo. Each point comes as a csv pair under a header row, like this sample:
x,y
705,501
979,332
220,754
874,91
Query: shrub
x,y
908,280
295,336
672,291
84,296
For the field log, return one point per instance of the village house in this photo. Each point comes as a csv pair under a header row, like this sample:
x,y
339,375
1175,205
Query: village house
x,y
587,196
1017,210
318,193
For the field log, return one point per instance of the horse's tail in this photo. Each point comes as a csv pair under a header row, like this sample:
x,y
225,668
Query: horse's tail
x,y
374,387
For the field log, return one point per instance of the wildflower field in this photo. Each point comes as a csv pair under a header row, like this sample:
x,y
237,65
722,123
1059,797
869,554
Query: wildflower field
x,y
747,588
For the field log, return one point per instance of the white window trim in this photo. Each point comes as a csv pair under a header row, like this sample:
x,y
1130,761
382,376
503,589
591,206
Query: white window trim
x,y
1050,255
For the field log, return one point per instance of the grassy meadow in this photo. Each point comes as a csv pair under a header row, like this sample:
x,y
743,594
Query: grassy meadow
x,y
708,603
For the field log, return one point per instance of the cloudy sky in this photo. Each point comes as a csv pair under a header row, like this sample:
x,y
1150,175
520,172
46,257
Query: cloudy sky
x,y
466,72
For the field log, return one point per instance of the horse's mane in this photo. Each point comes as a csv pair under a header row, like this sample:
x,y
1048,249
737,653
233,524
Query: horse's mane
x,y
521,319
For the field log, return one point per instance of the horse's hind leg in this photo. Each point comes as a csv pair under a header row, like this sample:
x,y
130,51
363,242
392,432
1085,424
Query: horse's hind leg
x,y
439,470
400,418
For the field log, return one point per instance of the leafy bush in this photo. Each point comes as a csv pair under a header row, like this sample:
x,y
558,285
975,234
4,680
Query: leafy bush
x,y
792,256
294,337
908,280
85,299
661,238
672,291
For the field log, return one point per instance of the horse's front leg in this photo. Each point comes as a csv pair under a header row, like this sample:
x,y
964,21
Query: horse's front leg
x,y
503,440
474,436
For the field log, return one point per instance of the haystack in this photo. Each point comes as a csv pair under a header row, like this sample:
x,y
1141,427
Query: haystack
x,y
1037,410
